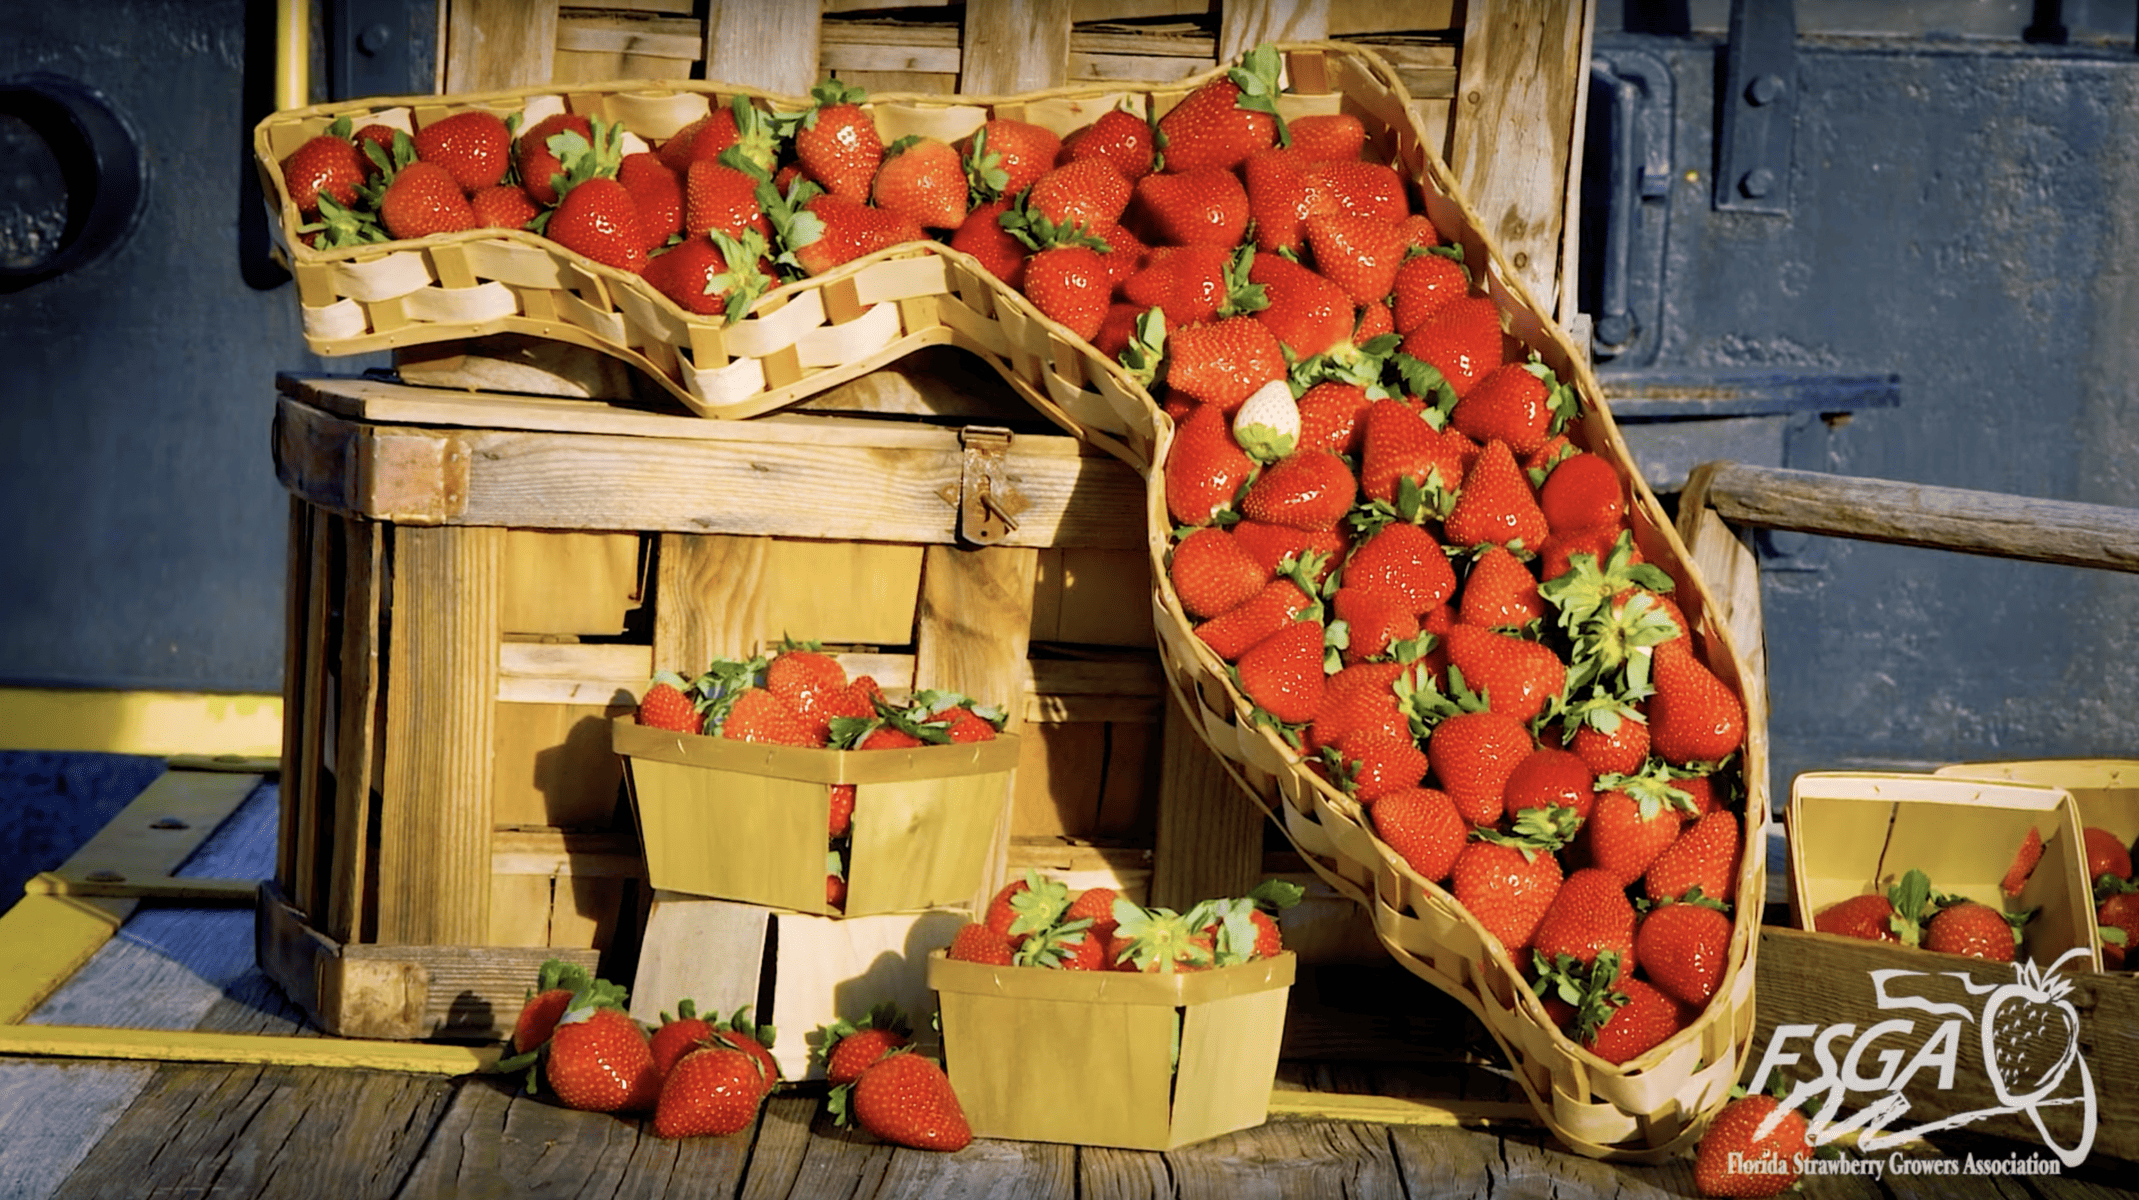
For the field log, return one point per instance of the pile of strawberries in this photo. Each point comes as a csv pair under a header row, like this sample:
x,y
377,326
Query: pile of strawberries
x,y
1037,921
705,1077
801,696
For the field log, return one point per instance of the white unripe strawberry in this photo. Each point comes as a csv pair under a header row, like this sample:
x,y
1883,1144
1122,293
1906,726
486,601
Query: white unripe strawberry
x,y
1267,425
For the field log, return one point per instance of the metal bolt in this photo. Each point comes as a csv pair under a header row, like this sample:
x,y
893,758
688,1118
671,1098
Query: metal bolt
x,y
1615,330
374,38
1766,89
1757,183
168,823
105,876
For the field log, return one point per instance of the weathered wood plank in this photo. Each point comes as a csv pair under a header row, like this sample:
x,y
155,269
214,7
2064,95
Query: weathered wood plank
x,y
493,44
54,1113
1015,46
1290,1158
356,737
768,44
1245,24
1210,835
710,604
1942,518
783,1140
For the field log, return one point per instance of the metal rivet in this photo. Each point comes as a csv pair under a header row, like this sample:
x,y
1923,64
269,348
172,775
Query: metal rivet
x,y
1521,259
374,38
1757,183
105,876
168,823
1766,89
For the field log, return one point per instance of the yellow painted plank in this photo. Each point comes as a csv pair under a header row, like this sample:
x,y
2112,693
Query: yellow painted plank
x,y
147,723
155,887
43,941
165,1045
1389,1110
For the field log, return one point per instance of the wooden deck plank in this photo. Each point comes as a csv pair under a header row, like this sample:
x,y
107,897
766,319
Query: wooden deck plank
x,y
1306,1159
54,1114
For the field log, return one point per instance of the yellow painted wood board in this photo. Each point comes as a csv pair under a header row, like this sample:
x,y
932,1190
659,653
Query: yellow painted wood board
x,y
166,1045
140,722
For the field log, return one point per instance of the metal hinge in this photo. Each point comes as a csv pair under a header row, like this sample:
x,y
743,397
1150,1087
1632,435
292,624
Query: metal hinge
x,y
985,496
1759,109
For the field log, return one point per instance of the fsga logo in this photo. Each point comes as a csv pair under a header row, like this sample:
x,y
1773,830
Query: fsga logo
x,y
2026,1031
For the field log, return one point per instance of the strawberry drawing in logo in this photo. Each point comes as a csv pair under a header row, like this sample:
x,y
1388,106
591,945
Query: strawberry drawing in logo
x,y
2031,1035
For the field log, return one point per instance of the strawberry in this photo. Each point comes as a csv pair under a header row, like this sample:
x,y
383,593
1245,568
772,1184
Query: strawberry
x,y
1088,192
1683,948
717,196
760,716
1357,188
1694,716
1207,207
982,235
679,1035
2117,913
1270,545
1582,492
664,706
1700,792
1506,890
847,230
1329,135
1419,232
967,726
1547,778
1704,856
840,809
1511,403
600,1060
1646,1020
1405,560
1224,362
1400,442
1376,622
712,273
1473,756
538,162
1212,574
851,1047
922,179
1424,285
907,1100
1225,120
976,942
1496,504
1309,314
1374,321
1973,929
1360,696
804,676
1267,424
556,984
1500,592
1461,340
1360,254
1556,556
598,218
1733,1159
1120,137
506,206
738,124
1004,157
1070,284
1333,417
1096,905
1124,254
1026,906
474,147
1187,283
2024,860
837,143
1514,675
1205,468
2105,853
1311,489
1609,734
740,1033
1278,201
1067,946
1373,761
1626,834
381,136
1589,918
711,1092
424,199
1869,917
1424,828
323,164
656,194
1283,673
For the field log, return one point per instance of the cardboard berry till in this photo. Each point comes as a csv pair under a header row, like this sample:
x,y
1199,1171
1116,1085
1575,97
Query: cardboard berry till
x,y
748,821
1088,1057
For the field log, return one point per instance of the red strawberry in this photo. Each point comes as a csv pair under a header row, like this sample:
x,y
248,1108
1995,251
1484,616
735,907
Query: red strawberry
x,y
1223,363
1516,676
1868,916
803,677
2118,911
506,206
1473,755
1276,181
538,162
1283,673
1684,948
1418,231
1547,778
1225,120
423,200
656,195
1375,622
555,986
1374,321
711,1092
1647,1020
1357,188
1423,286
1270,545
1556,556
1097,906
382,136
474,147
1026,906
1205,468
600,1060
1511,404
1329,135
2106,854
850,230
1071,285
1424,828
740,1033
1004,157
664,706
598,218
711,273
1371,762
1694,716
1401,442
1582,492
1462,341
1972,929
1733,1160
760,716
1506,890
717,196
923,179
1496,504
2024,860
1361,696
976,942
1704,856
1309,314
1701,793
1124,255
679,1035
1238,630
1207,207
738,123
837,142
323,164
982,235
1187,283
1333,417
907,1100
851,1047
1403,559
1088,192
1609,734
1625,835
1589,917
1212,574
1360,254
1120,137
1500,592
1069,946
1309,489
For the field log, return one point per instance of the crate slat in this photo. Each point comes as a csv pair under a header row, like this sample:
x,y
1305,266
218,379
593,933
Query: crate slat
x,y
357,744
769,44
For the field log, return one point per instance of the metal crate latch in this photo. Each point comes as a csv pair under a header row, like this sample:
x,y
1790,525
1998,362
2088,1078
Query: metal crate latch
x,y
986,495
1759,108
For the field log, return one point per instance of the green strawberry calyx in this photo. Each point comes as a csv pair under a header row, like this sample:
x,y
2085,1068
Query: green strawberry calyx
x,y
1258,78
